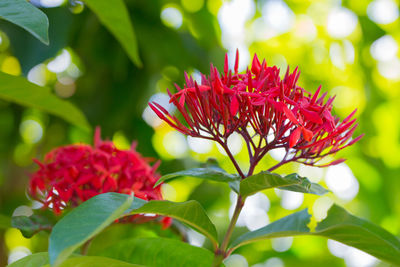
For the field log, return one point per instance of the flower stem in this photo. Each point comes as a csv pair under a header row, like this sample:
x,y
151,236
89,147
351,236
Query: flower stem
x,y
232,158
220,253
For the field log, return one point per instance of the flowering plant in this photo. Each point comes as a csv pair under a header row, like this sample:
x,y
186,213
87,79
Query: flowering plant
x,y
268,112
73,174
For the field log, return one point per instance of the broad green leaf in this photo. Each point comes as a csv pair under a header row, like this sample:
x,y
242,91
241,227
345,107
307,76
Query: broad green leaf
x,y
95,261
27,16
5,221
35,260
308,187
19,90
115,17
189,212
266,180
210,173
235,186
84,222
42,260
294,224
158,252
339,225
359,233
31,225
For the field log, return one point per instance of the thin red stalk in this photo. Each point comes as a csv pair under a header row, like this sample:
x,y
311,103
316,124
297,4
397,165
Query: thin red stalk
x,y
231,157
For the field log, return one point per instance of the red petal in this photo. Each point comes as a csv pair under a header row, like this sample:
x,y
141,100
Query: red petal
x,y
237,61
312,116
255,66
307,134
289,114
218,87
294,137
226,67
182,100
314,98
234,107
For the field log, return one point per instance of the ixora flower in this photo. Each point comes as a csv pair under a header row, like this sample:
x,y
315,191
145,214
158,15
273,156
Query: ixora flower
x,y
267,111
72,174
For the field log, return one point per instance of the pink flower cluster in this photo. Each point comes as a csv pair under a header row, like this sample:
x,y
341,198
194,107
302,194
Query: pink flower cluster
x,y
260,103
72,174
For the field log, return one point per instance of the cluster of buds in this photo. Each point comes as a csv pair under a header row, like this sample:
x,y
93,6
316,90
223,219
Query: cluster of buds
x,y
73,174
267,111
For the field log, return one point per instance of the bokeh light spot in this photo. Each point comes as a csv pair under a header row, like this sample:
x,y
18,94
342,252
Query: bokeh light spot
x,y
11,66
278,15
384,48
282,244
60,63
31,131
341,181
291,200
51,3
235,144
175,144
37,75
383,11
341,22
254,213
172,17
236,260
199,145
192,5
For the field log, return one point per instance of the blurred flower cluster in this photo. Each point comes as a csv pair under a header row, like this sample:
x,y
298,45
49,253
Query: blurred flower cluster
x,y
267,111
72,174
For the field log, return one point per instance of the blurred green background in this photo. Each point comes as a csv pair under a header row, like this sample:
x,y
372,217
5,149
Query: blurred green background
x,y
349,47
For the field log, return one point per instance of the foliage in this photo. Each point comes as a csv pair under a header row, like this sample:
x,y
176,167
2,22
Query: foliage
x,y
25,15
120,55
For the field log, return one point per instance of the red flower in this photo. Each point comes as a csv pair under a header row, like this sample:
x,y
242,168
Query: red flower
x,y
72,174
209,110
278,111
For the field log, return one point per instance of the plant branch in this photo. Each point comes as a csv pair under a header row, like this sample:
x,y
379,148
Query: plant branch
x,y
221,252
282,162
231,157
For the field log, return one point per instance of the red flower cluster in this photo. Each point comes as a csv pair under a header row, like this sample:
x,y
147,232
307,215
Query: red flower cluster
x,y
72,174
258,102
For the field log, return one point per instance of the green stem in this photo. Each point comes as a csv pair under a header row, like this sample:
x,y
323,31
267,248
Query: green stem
x,y
220,253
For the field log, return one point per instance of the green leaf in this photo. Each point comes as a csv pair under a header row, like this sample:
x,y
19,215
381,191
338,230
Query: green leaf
x,y
266,180
294,224
5,221
115,17
90,261
189,212
158,252
28,17
84,222
31,225
339,225
235,186
42,260
35,260
359,233
19,90
308,187
210,173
